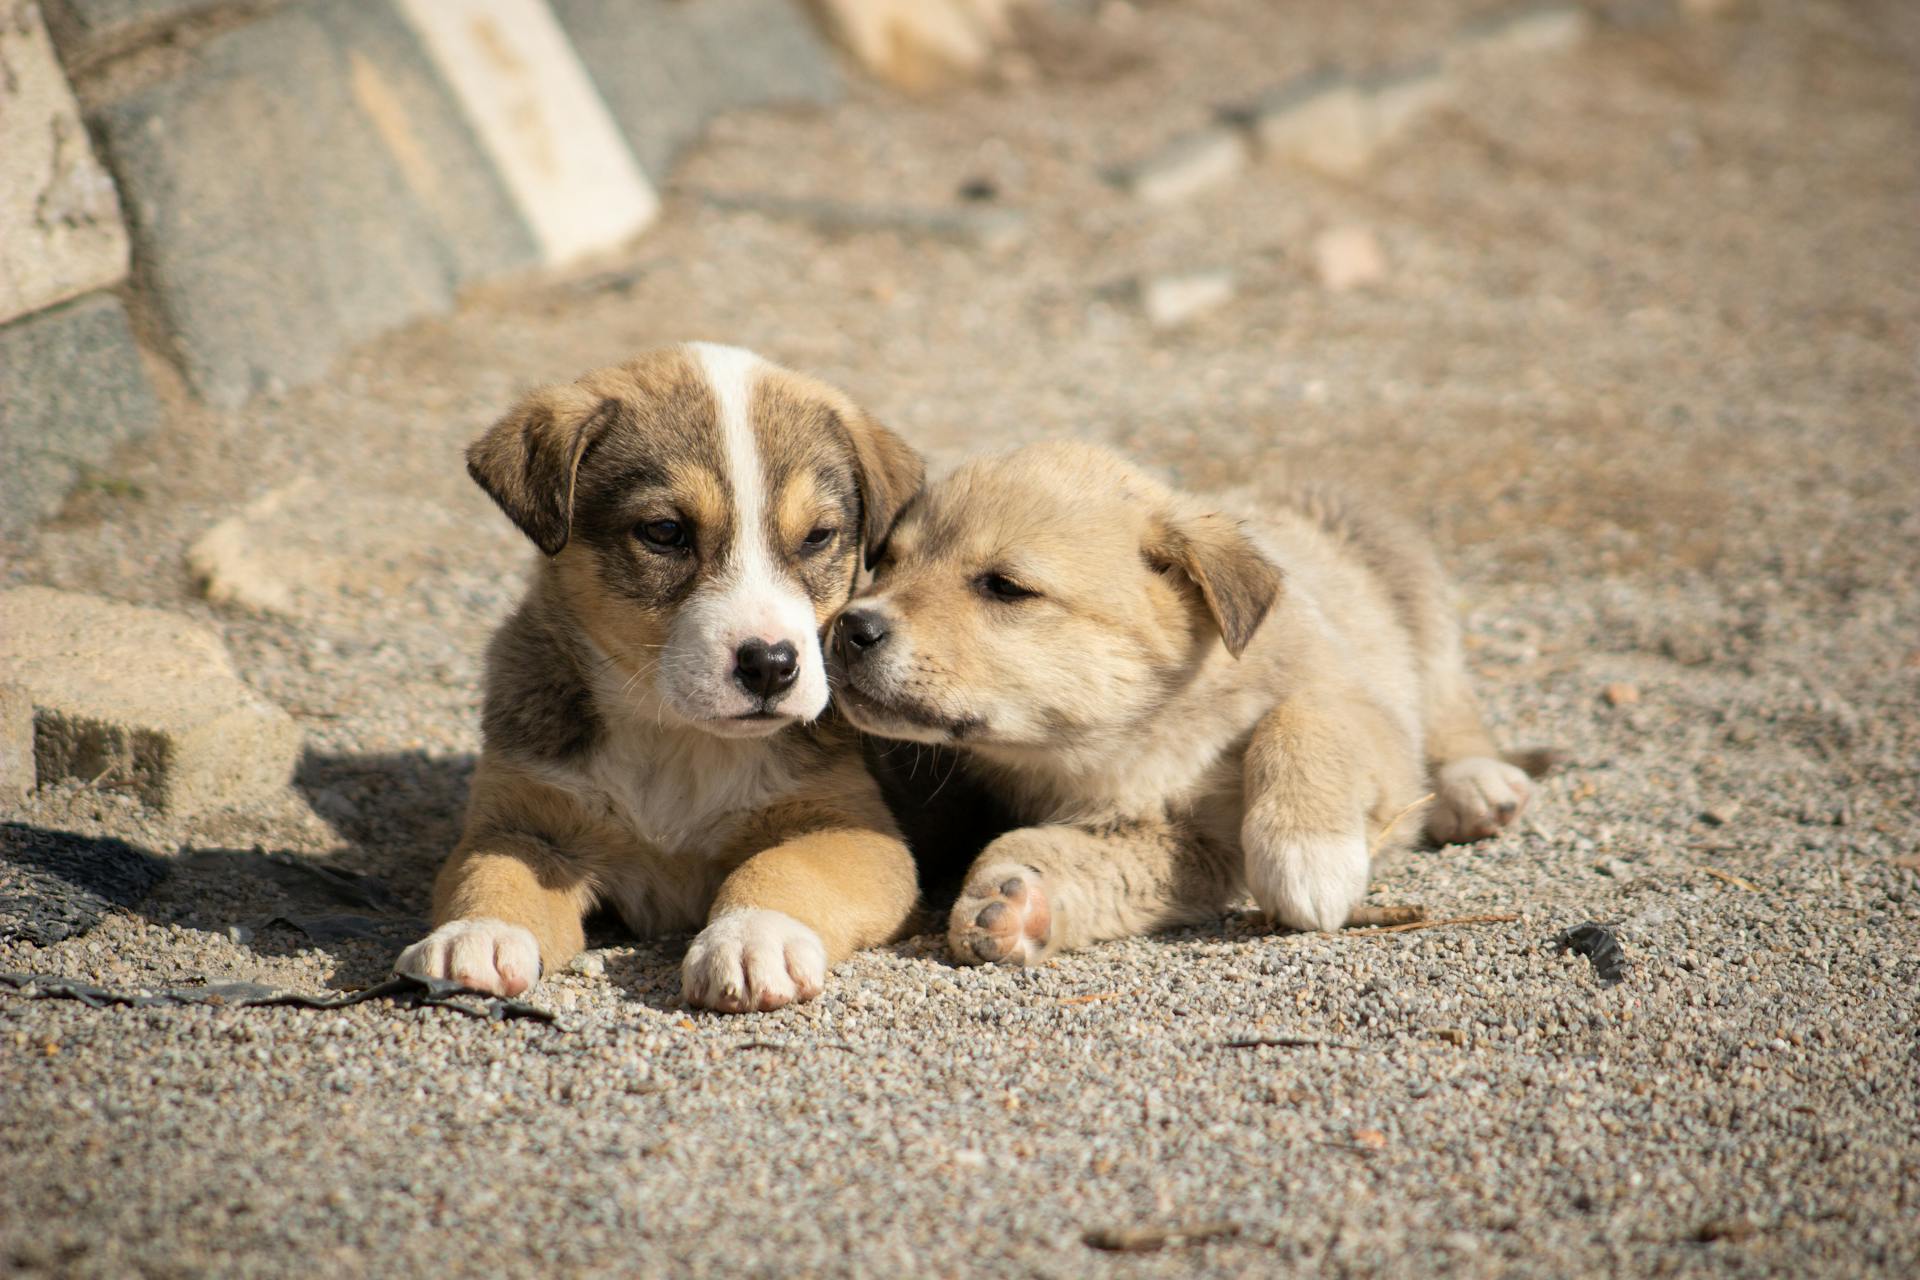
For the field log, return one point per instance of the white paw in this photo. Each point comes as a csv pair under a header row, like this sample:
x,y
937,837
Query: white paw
x,y
1474,798
1309,882
484,955
751,959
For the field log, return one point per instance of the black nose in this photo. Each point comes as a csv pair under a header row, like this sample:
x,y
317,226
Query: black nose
x,y
861,631
765,670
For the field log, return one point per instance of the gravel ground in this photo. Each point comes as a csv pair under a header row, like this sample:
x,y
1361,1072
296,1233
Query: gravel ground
x,y
1644,361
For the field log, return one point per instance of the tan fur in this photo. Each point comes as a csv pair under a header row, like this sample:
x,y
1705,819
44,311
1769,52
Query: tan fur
x,y
1194,701
591,790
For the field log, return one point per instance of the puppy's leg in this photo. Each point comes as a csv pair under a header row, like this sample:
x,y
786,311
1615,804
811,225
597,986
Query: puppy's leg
x,y
788,914
1042,890
1476,793
508,909
1324,777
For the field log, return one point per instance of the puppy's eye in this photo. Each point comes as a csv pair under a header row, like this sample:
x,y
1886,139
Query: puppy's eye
x,y
817,540
998,586
663,535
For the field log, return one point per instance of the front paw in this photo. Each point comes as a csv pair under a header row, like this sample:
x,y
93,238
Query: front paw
x,y
1475,798
484,955
1309,882
753,959
1001,917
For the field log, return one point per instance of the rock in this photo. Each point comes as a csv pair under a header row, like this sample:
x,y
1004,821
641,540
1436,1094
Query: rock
x,y
1319,120
91,31
1733,1229
72,387
1348,258
664,68
541,120
295,548
1742,732
1187,166
305,182
1615,868
1621,694
1173,299
1721,814
589,964
1397,98
919,44
60,229
141,698
1522,30
17,774
978,226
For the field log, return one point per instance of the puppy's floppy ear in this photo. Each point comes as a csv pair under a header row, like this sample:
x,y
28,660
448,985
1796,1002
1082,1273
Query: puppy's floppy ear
x,y
527,461
890,473
1235,578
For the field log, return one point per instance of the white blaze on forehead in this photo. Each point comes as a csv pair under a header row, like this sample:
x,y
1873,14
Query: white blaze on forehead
x,y
753,598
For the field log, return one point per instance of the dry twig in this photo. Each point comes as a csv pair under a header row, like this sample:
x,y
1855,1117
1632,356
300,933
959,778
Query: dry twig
x,y
1500,918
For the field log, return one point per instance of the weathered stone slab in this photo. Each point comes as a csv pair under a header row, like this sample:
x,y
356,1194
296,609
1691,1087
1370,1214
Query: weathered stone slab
x,y
143,699
305,184
666,68
71,388
1186,166
60,229
297,549
540,119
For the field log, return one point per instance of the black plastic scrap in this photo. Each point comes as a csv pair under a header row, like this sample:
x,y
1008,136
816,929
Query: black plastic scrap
x,y
431,993
1599,945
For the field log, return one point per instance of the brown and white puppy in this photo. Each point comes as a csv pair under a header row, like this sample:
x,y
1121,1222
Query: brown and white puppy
x,y
653,731
1182,704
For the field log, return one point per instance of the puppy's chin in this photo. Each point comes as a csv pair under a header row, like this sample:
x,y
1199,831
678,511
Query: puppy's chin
x,y
760,725
901,720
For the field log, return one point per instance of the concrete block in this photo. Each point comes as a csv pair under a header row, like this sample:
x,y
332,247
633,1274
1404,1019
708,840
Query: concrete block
x,y
305,183
60,229
1522,30
141,698
1187,166
1319,120
17,774
665,68
540,119
1173,299
71,388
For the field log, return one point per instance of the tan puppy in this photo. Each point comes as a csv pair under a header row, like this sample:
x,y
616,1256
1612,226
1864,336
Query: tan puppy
x,y
1183,704
652,732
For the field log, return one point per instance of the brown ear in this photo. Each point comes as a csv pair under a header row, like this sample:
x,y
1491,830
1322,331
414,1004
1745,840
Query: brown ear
x,y
890,474
527,461
1236,579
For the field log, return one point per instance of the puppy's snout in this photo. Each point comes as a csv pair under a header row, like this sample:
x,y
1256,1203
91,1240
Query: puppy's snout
x,y
861,631
766,670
